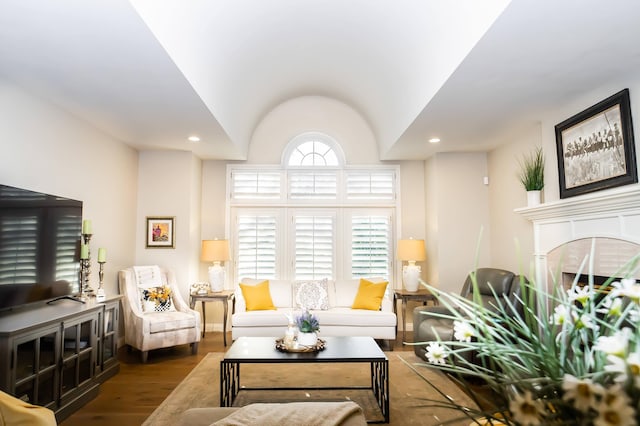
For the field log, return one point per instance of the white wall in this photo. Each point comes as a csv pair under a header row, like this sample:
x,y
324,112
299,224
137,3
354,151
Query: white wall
x,y
48,150
458,213
511,234
169,184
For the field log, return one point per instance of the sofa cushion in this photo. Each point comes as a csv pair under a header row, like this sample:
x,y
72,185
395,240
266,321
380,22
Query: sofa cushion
x,y
369,295
347,317
257,297
277,318
311,294
170,321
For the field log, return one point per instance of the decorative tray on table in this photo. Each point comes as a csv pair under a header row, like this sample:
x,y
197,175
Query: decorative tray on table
x,y
319,346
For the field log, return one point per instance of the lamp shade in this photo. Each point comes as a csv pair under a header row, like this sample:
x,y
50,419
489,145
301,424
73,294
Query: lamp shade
x,y
411,250
215,250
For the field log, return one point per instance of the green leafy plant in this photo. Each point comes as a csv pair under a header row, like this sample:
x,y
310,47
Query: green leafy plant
x,y
554,357
532,170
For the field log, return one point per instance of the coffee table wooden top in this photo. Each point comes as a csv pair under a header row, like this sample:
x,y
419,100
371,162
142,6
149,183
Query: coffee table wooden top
x,y
337,349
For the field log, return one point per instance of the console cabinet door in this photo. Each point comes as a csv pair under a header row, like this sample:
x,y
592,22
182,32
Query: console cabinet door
x,y
78,354
34,369
108,337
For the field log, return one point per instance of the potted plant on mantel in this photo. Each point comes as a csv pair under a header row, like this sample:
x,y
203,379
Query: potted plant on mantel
x,y
532,175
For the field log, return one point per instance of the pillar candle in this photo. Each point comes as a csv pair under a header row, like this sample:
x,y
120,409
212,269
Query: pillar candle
x,y
86,226
102,255
84,251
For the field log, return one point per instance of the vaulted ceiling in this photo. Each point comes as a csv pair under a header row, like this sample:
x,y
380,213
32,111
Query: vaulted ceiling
x,y
150,73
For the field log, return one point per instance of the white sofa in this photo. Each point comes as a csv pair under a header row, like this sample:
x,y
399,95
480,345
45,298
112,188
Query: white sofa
x,y
338,320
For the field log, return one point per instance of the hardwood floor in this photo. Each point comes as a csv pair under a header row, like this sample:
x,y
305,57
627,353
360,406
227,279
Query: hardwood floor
x,y
128,398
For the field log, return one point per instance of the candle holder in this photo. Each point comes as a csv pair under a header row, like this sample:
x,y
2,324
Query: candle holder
x,y
85,268
100,294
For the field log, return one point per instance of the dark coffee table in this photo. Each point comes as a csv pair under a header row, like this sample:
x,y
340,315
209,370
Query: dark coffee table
x,y
262,350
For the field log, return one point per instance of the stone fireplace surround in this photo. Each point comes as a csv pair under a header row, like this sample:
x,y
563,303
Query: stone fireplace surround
x,y
564,231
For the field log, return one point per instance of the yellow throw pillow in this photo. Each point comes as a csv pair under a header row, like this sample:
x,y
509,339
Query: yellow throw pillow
x,y
257,297
369,295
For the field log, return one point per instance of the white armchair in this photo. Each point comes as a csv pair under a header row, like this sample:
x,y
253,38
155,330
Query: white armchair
x,y
153,330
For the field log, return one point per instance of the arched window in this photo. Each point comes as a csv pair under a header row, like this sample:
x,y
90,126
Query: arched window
x,y
312,217
313,149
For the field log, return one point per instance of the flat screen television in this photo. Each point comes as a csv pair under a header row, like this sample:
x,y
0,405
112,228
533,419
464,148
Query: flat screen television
x,y
39,247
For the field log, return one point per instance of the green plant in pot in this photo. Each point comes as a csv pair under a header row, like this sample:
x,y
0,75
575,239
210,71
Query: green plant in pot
x,y
532,175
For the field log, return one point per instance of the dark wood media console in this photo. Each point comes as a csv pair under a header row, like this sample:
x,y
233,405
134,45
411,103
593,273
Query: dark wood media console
x,y
57,355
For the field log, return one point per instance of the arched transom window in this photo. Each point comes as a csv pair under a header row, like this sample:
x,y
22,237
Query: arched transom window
x,y
313,150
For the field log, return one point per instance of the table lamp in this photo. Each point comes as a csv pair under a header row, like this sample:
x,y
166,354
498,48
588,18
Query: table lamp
x,y
412,251
215,251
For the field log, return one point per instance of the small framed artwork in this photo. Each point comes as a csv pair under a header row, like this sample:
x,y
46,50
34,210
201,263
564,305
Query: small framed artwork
x,y
596,149
160,232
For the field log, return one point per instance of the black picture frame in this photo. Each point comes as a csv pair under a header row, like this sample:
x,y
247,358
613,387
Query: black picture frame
x,y
595,148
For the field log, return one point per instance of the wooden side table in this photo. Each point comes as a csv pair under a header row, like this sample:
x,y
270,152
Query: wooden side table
x,y
422,295
223,296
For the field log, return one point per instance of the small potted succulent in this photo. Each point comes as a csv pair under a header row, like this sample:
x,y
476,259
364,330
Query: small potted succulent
x,y
308,326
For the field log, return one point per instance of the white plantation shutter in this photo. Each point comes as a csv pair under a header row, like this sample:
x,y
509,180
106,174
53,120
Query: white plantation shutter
x,y
256,246
19,249
370,185
68,239
314,247
255,185
370,246
306,185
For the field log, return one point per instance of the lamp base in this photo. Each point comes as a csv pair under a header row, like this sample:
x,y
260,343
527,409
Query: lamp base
x,y
216,277
410,276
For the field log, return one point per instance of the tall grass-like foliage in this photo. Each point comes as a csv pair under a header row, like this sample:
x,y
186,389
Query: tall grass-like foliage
x,y
532,171
564,357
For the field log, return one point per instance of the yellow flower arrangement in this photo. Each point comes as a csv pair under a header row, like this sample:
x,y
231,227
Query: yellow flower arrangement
x,y
160,295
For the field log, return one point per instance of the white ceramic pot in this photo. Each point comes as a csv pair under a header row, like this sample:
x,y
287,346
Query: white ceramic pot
x,y
533,198
307,339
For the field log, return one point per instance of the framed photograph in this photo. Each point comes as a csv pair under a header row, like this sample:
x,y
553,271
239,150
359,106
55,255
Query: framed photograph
x,y
160,232
596,149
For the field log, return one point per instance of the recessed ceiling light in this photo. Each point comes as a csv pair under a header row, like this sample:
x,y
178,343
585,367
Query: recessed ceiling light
x,y
194,139
434,140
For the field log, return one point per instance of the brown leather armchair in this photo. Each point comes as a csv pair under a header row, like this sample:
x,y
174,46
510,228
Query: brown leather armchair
x,y
492,282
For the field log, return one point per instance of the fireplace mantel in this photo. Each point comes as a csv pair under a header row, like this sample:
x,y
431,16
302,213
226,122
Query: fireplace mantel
x,y
613,213
618,200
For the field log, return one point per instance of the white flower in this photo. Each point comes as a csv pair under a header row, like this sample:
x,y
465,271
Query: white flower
x,y
463,331
560,315
526,411
580,294
584,321
611,307
625,368
614,409
614,345
436,353
628,288
582,392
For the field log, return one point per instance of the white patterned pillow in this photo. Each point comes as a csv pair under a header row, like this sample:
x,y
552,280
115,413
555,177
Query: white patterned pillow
x,y
312,294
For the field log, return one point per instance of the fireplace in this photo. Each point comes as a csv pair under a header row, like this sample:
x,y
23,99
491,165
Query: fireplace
x,y
566,231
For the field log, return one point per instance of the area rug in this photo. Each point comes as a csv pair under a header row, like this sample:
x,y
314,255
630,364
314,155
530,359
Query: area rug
x,y
201,388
